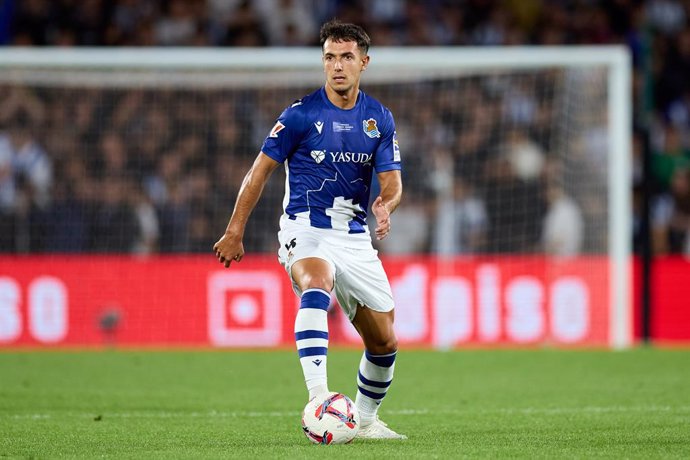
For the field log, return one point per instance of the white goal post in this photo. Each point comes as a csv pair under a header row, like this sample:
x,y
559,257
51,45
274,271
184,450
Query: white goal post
x,y
207,68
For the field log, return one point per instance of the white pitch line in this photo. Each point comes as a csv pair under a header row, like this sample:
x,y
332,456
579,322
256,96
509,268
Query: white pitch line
x,y
415,412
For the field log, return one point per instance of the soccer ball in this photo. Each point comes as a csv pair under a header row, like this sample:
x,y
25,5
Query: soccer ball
x,y
333,420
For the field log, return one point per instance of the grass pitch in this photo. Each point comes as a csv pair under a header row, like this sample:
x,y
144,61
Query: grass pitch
x,y
461,404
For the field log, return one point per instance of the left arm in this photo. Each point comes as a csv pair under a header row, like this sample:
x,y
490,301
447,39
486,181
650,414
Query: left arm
x,y
387,201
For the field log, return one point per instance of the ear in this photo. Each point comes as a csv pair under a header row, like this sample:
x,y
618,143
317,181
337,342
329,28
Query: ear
x,y
365,62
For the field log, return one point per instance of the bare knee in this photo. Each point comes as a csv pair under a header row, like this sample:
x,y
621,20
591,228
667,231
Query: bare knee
x,y
382,345
315,281
313,273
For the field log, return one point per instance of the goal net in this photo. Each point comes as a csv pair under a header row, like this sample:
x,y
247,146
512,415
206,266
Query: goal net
x,y
512,155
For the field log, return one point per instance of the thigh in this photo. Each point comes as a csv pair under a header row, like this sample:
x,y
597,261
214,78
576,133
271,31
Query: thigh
x,y
362,281
297,248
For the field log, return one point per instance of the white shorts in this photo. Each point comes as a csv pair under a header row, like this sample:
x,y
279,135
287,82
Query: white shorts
x,y
358,274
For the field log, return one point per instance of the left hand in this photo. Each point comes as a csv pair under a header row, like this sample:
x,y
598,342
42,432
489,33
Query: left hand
x,y
383,218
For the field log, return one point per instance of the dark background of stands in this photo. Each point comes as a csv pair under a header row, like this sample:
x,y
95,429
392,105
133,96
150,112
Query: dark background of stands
x,y
51,186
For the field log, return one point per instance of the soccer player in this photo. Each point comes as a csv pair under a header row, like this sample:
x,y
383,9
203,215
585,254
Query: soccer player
x,y
330,142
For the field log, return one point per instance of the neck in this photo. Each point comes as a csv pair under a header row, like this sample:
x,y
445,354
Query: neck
x,y
345,100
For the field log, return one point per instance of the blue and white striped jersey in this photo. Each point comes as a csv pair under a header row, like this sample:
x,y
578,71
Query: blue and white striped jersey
x,y
329,155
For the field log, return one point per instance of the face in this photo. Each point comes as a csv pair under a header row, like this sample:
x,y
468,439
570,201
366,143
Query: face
x,y
343,64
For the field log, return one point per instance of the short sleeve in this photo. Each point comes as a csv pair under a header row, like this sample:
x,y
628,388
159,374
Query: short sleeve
x,y
285,135
388,151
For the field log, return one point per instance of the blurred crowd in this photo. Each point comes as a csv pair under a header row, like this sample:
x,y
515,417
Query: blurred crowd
x,y
116,170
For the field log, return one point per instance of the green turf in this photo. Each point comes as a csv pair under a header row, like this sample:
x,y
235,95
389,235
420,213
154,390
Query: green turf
x,y
475,404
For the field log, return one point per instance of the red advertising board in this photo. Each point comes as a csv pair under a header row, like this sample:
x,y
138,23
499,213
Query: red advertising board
x,y
194,301
670,298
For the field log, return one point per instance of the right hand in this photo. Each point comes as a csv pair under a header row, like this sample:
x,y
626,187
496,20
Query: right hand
x,y
228,248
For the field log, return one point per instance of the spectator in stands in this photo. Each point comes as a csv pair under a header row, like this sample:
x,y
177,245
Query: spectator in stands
x,y
673,156
226,177
666,16
167,175
8,196
413,216
563,227
177,26
146,241
23,103
519,104
671,216
200,231
174,217
419,24
526,158
142,121
449,27
127,19
679,115
674,69
197,186
287,22
514,195
32,23
474,142
30,162
83,25
227,133
492,30
461,223
68,220
240,27
29,218
219,14
113,221
111,157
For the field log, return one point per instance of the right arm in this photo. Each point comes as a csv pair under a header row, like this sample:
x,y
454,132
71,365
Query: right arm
x,y
229,247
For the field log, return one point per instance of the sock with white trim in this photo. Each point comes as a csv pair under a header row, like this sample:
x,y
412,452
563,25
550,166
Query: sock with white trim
x,y
373,379
311,336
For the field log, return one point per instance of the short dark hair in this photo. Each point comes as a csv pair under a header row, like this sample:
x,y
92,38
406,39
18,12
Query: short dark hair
x,y
344,32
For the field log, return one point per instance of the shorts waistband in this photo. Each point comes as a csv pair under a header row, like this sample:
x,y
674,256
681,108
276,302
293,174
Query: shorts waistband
x,y
331,236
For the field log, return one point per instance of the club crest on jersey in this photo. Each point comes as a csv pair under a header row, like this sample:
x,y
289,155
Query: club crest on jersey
x,y
318,155
370,128
278,127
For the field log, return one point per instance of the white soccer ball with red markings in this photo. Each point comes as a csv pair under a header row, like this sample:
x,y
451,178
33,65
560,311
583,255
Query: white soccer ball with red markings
x,y
333,420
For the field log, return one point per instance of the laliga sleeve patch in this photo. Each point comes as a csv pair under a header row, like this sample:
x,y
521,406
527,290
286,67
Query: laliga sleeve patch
x,y
278,127
396,147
